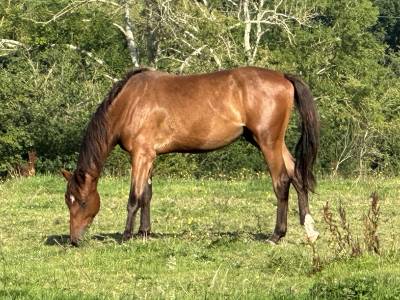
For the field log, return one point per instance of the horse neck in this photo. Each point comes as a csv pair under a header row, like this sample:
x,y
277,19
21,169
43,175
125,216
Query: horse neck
x,y
92,163
94,151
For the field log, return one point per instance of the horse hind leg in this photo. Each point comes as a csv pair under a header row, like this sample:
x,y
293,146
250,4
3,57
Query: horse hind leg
x,y
281,183
302,195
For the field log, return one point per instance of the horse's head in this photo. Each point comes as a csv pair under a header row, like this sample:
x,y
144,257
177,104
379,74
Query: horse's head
x,y
83,202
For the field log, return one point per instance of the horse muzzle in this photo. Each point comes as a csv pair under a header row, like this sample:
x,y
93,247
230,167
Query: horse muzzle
x,y
76,238
74,242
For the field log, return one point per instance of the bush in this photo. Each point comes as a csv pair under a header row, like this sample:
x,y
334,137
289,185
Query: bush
x,y
357,287
349,288
48,91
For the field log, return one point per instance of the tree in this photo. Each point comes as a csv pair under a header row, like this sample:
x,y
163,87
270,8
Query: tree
x,y
388,26
59,59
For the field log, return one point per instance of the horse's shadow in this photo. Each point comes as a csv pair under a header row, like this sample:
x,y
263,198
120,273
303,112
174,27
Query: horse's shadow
x,y
57,240
259,236
117,237
63,239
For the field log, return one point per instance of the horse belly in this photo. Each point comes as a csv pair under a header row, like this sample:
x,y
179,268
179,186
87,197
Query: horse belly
x,y
207,136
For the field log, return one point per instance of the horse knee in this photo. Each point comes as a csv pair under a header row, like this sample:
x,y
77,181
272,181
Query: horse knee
x,y
281,186
145,197
132,206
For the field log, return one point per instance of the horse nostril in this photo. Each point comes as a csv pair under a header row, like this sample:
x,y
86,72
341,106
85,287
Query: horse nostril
x,y
74,243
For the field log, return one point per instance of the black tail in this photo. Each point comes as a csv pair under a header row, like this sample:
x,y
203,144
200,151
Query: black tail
x,y
307,146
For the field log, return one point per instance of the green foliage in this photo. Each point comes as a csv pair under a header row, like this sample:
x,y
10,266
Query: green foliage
x,y
349,288
53,80
388,26
351,85
356,287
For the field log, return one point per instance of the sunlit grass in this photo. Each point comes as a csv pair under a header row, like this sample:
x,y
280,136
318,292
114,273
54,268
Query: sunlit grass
x,y
209,242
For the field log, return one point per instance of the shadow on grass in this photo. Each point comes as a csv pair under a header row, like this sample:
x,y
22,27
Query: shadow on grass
x,y
63,239
259,236
57,240
116,237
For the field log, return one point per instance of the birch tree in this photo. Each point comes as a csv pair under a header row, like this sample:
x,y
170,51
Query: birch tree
x,y
258,19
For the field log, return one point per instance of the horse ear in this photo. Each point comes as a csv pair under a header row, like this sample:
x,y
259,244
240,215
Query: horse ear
x,y
67,175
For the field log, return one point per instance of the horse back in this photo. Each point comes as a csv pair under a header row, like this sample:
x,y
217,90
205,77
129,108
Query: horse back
x,y
196,112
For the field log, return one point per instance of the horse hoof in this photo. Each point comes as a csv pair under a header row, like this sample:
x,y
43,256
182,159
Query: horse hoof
x,y
274,239
74,243
144,233
126,236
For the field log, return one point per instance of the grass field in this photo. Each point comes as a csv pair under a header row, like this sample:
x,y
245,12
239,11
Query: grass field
x,y
209,242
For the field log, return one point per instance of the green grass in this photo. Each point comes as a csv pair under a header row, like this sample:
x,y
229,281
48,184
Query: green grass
x,y
209,242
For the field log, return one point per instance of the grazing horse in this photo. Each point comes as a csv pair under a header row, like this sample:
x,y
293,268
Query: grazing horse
x,y
150,113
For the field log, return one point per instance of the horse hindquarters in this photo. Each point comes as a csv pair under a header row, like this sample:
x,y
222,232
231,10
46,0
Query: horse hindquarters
x,y
267,121
269,132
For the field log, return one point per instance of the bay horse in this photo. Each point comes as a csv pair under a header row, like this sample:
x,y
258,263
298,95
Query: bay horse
x,y
149,113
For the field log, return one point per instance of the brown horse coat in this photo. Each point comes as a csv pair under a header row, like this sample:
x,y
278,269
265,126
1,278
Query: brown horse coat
x,y
151,113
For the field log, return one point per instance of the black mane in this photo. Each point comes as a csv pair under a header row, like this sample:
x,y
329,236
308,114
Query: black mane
x,y
96,142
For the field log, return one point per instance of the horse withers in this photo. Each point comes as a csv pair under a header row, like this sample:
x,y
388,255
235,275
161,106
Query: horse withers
x,y
150,113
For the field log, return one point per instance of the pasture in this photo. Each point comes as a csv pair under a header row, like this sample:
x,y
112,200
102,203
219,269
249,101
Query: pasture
x,y
209,242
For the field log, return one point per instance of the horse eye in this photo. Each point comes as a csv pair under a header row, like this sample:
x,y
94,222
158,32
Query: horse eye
x,y
83,204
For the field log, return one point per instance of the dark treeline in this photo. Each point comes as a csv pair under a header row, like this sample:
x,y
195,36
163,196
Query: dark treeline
x,y
58,59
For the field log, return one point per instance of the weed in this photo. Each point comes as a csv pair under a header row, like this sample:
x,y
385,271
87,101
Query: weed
x,y
342,238
337,240
316,260
371,221
351,243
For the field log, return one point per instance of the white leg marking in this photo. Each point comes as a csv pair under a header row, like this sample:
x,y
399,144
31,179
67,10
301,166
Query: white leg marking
x,y
312,234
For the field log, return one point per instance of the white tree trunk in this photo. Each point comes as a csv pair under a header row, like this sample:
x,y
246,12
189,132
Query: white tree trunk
x,y
247,31
132,47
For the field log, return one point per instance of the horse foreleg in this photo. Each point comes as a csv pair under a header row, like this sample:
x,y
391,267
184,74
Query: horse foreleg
x,y
140,195
132,208
145,225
